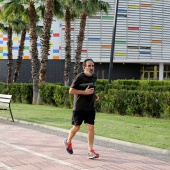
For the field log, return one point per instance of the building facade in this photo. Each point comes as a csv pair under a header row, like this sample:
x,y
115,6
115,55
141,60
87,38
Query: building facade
x,y
141,44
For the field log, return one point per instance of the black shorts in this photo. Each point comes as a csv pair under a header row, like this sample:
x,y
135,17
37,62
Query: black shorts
x,y
87,116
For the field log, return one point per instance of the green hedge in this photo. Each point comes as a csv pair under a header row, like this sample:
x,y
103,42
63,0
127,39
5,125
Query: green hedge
x,y
125,97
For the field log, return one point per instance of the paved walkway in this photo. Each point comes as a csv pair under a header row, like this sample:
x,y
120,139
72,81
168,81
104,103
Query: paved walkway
x,y
24,147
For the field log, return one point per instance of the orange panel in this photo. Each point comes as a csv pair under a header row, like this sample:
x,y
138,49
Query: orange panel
x,y
106,46
55,57
146,5
1,35
1,48
157,41
26,58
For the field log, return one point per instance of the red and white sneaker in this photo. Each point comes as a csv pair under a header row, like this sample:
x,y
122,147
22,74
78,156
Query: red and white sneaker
x,y
68,147
92,154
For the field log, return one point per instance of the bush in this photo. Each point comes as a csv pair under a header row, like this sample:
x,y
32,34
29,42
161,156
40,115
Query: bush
x,y
15,91
62,97
26,93
47,93
125,97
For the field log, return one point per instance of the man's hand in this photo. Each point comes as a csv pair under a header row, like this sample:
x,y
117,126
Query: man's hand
x,y
96,98
88,91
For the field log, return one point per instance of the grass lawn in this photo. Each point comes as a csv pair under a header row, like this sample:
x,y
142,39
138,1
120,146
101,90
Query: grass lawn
x,y
141,130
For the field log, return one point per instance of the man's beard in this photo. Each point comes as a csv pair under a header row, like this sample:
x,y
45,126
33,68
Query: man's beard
x,y
90,72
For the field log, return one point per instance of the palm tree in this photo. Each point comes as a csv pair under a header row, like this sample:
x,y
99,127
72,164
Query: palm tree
x,y
22,27
20,54
9,64
45,39
16,23
67,46
70,15
45,42
6,25
20,24
34,50
87,8
29,5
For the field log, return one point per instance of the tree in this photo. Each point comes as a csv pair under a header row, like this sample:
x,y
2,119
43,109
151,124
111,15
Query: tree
x,y
22,27
67,46
70,15
6,26
34,50
87,8
45,39
38,75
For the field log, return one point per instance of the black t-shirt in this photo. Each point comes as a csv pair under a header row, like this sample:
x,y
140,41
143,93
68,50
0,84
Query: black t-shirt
x,y
83,102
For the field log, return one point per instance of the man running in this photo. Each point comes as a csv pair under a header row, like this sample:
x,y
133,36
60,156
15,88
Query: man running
x,y
83,88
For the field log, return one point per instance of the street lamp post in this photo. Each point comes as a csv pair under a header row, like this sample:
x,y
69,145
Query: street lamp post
x,y
113,41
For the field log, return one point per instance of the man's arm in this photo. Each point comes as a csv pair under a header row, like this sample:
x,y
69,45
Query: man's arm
x,y
87,91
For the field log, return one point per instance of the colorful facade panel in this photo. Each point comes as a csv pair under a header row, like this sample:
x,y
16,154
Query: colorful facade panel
x,y
142,34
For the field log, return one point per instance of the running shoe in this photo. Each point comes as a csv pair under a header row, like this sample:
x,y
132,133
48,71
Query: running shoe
x,y
92,154
68,147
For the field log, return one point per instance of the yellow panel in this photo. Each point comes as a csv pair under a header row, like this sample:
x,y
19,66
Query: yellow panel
x,y
120,54
55,57
1,35
15,38
106,46
133,6
51,44
1,57
5,48
157,27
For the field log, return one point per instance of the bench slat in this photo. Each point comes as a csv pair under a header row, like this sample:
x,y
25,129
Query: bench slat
x,y
5,96
4,105
5,100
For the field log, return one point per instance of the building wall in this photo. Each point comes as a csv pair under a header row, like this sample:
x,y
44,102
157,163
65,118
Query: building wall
x,y
142,37
55,71
142,33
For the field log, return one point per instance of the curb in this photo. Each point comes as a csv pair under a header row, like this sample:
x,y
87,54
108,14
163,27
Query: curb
x,y
114,141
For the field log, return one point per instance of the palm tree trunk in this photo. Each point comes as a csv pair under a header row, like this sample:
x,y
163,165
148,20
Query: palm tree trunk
x,y
67,47
9,64
45,40
34,51
19,59
80,40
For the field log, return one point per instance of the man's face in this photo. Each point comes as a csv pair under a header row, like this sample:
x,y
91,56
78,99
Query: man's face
x,y
89,68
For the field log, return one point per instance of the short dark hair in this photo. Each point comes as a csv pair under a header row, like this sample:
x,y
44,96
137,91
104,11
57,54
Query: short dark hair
x,y
84,62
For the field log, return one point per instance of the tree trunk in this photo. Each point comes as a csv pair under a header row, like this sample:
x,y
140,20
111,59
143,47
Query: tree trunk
x,y
45,42
9,64
20,54
34,51
67,47
80,39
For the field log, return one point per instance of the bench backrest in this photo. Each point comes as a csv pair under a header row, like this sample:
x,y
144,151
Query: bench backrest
x,y
5,99
5,96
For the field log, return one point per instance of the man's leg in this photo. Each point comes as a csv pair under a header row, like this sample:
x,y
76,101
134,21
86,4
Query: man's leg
x,y
67,142
90,136
92,154
72,133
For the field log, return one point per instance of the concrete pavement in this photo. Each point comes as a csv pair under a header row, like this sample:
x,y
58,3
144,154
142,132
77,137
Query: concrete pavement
x,y
27,146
